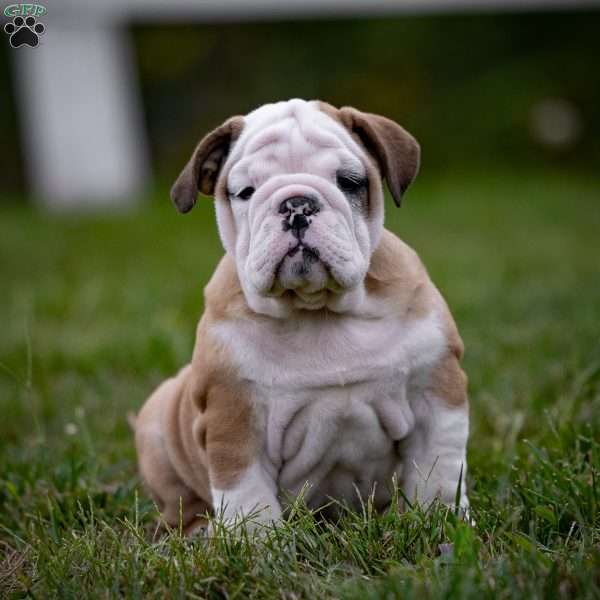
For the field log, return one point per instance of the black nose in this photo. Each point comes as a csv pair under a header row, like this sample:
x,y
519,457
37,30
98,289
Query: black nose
x,y
297,209
299,205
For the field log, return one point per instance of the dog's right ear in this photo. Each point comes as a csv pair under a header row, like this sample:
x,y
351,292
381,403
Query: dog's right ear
x,y
202,171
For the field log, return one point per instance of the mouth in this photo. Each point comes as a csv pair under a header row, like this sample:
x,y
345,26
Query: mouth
x,y
303,274
309,257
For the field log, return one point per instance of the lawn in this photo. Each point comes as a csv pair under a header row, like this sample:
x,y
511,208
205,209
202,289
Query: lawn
x,y
96,310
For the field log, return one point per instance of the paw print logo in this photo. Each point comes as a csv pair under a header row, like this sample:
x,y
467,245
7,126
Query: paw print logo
x,y
24,31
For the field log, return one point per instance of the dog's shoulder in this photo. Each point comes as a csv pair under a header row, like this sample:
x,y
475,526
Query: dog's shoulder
x,y
394,261
224,300
223,295
398,278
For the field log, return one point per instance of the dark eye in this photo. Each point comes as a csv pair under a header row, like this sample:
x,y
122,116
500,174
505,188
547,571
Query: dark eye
x,y
246,193
350,183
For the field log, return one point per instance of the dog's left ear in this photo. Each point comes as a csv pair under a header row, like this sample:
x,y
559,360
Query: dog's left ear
x,y
202,171
396,150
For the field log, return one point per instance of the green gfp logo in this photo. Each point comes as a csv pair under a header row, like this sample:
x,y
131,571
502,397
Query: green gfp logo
x,y
25,10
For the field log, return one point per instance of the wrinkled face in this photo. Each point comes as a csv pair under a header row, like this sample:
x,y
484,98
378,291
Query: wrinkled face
x,y
300,194
299,199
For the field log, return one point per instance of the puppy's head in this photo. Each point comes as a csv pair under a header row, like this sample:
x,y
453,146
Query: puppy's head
x,y
299,199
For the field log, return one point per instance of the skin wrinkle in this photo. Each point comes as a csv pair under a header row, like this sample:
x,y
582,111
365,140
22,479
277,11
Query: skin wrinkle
x,y
342,364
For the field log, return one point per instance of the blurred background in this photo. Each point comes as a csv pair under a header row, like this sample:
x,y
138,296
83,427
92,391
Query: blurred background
x,y
97,306
115,96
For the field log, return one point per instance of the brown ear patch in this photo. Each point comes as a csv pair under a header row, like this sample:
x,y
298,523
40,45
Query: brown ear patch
x,y
397,152
202,170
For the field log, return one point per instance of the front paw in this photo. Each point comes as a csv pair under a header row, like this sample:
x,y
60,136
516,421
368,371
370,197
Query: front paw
x,y
250,504
423,492
252,518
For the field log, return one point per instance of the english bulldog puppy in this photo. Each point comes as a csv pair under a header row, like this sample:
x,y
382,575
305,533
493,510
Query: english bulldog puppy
x,y
325,359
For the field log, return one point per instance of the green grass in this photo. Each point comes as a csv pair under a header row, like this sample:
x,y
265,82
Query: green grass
x,y
95,311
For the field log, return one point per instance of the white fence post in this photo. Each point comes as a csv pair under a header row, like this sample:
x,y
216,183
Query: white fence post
x,y
81,117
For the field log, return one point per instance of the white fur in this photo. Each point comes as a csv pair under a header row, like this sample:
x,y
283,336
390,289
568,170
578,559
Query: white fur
x,y
435,456
336,392
254,495
289,149
332,396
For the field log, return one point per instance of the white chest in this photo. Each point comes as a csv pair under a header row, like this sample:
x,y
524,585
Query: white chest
x,y
335,438
331,397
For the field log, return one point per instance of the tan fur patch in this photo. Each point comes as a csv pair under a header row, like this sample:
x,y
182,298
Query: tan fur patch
x,y
196,431
231,442
224,296
222,434
179,501
449,382
398,278
183,453
223,419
